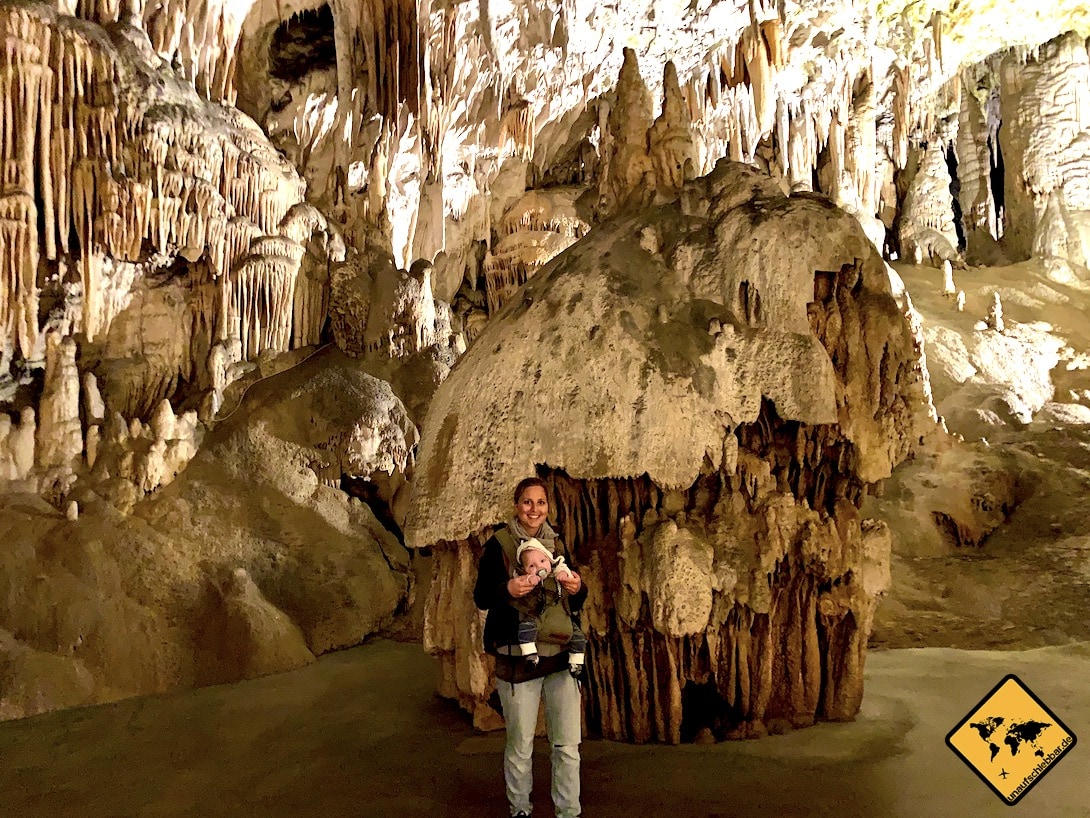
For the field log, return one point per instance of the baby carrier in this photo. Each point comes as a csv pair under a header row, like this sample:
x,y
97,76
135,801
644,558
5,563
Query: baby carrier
x,y
549,606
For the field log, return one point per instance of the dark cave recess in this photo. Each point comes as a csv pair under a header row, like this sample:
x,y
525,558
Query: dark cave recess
x,y
303,44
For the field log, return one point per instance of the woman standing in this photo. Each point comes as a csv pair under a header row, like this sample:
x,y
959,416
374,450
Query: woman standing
x,y
522,685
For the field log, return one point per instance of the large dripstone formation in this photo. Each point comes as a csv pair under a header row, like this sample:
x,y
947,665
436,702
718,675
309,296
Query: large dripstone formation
x,y
927,229
714,385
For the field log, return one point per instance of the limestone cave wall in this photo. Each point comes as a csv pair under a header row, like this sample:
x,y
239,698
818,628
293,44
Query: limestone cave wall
x,y
202,203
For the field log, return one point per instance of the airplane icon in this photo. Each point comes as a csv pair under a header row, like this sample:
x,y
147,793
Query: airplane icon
x,y
1003,773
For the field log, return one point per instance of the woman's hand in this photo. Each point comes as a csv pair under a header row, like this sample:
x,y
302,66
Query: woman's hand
x,y
522,585
570,581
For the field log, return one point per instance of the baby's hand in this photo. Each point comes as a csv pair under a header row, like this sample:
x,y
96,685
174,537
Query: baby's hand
x,y
535,580
560,569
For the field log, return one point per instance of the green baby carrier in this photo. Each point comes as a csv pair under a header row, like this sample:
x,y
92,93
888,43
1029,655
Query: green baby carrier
x,y
553,613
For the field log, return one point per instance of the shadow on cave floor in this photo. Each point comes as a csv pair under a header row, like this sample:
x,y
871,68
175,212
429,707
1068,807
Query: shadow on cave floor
x,y
362,733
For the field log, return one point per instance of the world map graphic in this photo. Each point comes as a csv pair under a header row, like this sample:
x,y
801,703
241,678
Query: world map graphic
x,y
1017,735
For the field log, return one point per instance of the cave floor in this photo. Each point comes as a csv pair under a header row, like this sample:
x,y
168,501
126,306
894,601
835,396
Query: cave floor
x,y
1026,586
362,733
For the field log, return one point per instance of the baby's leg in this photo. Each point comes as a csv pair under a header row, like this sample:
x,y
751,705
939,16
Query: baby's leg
x,y
527,638
577,649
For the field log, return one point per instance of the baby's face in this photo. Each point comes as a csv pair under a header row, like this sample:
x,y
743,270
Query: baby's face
x,y
534,560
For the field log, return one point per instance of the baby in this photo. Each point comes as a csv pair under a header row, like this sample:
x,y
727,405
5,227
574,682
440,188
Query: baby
x,y
536,560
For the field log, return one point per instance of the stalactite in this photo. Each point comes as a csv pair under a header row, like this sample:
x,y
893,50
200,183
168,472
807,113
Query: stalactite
x,y
862,146
24,87
386,32
202,40
18,271
760,67
772,663
128,178
936,24
517,130
901,115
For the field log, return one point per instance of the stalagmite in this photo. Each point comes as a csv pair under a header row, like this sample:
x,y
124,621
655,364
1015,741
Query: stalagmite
x,y
59,435
624,159
948,288
977,143
21,441
670,140
93,437
995,314
927,221
758,575
802,153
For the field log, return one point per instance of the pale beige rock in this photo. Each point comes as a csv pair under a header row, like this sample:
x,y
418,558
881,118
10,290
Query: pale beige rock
x,y
59,436
256,638
33,682
679,580
927,224
661,419
1045,104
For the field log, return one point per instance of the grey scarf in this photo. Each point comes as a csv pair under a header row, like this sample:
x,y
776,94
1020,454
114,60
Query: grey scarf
x,y
545,533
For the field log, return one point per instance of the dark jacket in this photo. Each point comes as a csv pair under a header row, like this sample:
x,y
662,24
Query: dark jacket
x,y
501,625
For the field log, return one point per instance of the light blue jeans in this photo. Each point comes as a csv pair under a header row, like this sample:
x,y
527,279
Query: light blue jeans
x,y
563,724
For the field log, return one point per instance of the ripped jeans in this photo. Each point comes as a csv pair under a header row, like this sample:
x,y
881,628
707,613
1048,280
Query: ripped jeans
x,y
563,723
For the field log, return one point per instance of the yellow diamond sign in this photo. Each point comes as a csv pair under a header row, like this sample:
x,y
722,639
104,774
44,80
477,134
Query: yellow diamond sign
x,y
1011,739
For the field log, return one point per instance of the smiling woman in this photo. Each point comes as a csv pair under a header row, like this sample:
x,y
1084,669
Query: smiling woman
x,y
512,599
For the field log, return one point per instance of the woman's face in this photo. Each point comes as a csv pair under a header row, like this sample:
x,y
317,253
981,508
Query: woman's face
x,y
532,509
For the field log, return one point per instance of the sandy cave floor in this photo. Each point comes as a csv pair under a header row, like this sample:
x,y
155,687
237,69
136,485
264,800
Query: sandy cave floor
x,y
361,733
1027,585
